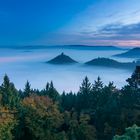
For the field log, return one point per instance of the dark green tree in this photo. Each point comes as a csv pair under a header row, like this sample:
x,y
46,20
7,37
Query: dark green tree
x,y
84,94
98,84
97,93
27,90
9,94
134,81
52,92
131,92
68,101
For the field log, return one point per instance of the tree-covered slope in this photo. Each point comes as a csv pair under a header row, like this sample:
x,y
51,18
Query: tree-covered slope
x,y
133,53
95,112
106,62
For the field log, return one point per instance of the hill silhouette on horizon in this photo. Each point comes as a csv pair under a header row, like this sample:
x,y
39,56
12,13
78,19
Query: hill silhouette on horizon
x,y
132,53
62,59
107,62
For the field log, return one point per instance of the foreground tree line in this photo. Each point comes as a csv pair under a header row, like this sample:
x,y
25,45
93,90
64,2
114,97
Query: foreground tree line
x,y
96,112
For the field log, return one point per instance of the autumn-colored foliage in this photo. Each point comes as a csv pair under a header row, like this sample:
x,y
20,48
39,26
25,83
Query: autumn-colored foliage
x,y
42,117
95,112
8,123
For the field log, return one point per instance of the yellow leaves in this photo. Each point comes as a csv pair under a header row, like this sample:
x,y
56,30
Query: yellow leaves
x,y
7,123
37,101
41,115
6,114
40,105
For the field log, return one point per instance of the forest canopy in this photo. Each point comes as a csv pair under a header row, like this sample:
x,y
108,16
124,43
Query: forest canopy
x,y
95,112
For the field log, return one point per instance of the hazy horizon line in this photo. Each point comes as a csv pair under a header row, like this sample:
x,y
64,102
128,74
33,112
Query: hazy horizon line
x,y
82,45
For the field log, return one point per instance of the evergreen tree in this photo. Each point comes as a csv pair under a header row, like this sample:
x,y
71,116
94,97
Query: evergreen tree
x,y
97,93
27,90
134,81
83,97
68,101
85,88
95,112
130,94
52,92
9,94
98,85
47,87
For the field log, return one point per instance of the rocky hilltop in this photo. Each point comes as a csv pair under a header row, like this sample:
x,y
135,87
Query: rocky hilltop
x,y
62,59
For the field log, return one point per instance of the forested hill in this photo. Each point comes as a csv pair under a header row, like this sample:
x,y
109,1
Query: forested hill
x,y
133,53
95,112
107,62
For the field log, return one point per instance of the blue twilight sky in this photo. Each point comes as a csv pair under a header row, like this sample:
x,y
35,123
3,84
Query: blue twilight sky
x,y
55,22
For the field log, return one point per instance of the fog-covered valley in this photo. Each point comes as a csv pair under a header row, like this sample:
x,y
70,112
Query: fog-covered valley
x,y
29,64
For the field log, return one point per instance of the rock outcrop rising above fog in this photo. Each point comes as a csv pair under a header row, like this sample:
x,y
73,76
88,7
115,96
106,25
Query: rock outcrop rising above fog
x,y
62,59
102,62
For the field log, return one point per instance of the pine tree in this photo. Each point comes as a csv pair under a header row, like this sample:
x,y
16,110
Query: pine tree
x,y
27,90
131,92
98,84
134,81
9,94
47,87
52,92
97,93
84,94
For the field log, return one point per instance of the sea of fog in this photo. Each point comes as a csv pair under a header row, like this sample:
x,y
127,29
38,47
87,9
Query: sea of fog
x,y
29,64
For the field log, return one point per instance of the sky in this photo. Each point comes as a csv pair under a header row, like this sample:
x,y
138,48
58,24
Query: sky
x,y
62,22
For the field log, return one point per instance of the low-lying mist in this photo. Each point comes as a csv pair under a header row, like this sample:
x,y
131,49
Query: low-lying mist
x,y
23,64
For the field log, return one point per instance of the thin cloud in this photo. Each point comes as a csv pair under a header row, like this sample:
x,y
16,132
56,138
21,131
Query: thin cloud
x,y
122,29
112,14
127,35
136,12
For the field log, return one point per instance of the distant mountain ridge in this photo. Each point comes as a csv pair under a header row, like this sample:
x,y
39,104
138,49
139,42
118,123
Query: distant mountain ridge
x,y
133,53
62,59
81,47
87,47
107,62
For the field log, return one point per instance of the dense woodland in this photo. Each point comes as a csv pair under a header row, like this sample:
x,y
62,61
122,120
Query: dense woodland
x,y
96,112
